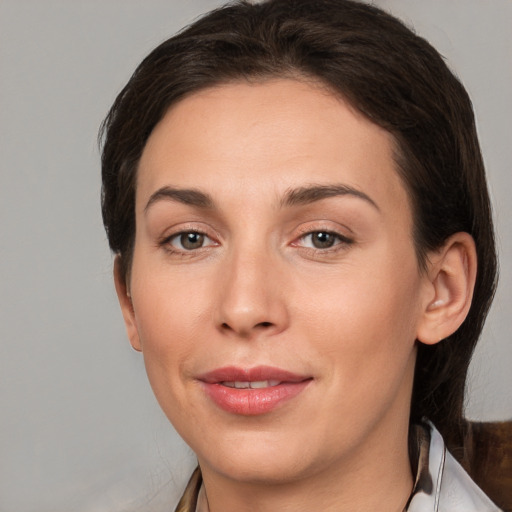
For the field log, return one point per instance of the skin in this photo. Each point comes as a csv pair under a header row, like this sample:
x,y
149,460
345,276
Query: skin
x,y
258,292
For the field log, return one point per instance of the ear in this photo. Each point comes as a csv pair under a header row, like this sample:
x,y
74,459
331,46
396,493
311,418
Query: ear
x,y
451,276
125,301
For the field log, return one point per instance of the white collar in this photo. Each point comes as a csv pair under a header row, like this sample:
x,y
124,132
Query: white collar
x,y
442,485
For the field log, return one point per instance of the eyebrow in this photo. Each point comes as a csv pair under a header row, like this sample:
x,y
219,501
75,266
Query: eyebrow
x,y
313,193
293,197
188,196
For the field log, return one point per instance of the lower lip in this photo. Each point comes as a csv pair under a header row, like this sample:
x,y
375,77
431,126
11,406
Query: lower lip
x,y
252,402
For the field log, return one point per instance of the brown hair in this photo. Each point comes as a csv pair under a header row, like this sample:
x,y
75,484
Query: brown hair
x,y
384,70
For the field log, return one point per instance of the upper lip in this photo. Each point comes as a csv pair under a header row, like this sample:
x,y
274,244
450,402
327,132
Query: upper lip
x,y
256,374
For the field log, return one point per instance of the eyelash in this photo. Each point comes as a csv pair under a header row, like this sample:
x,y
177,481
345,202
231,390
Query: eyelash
x,y
340,242
166,242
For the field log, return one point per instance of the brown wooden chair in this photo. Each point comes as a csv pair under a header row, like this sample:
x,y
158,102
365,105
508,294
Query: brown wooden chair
x,y
488,447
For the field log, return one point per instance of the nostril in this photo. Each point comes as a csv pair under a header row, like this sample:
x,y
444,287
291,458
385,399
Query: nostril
x,y
245,330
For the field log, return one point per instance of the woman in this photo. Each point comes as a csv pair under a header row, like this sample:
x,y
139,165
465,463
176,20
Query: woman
x,y
305,257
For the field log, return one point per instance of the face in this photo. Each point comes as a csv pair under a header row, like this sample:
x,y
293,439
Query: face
x,y
275,292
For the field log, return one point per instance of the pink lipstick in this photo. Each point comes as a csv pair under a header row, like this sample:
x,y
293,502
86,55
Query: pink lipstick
x,y
253,391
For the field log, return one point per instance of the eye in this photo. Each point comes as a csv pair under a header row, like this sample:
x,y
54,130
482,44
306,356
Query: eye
x,y
189,241
323,240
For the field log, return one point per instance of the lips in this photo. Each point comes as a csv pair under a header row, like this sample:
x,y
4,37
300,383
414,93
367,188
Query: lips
x,y
252,391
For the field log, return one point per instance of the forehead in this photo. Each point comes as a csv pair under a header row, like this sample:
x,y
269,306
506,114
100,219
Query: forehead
x,y
277,134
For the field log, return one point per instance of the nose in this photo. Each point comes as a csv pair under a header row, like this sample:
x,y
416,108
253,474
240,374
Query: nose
x,y
252,296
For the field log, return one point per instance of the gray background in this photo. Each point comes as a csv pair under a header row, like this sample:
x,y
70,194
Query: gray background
x,y
79,428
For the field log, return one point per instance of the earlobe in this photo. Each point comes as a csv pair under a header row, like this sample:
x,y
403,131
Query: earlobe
x,y
451,278
125,301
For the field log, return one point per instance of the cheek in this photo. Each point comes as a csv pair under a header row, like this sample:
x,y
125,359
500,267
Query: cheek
x,y
169,342
365,318
170,306
170,318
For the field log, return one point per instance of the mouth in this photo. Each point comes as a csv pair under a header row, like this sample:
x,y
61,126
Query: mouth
x,y
259,384
254,391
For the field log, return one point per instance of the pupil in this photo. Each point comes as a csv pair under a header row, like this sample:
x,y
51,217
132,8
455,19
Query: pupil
x,y
322,240
192,240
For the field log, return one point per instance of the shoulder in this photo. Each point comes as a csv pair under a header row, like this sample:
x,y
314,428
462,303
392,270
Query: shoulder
x,y
450,488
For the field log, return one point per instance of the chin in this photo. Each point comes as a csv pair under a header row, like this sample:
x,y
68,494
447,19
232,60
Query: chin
x,y
267,472
260,460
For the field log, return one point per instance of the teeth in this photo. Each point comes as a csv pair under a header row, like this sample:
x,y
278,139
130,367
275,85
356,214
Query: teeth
x,y
264,384
259,384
